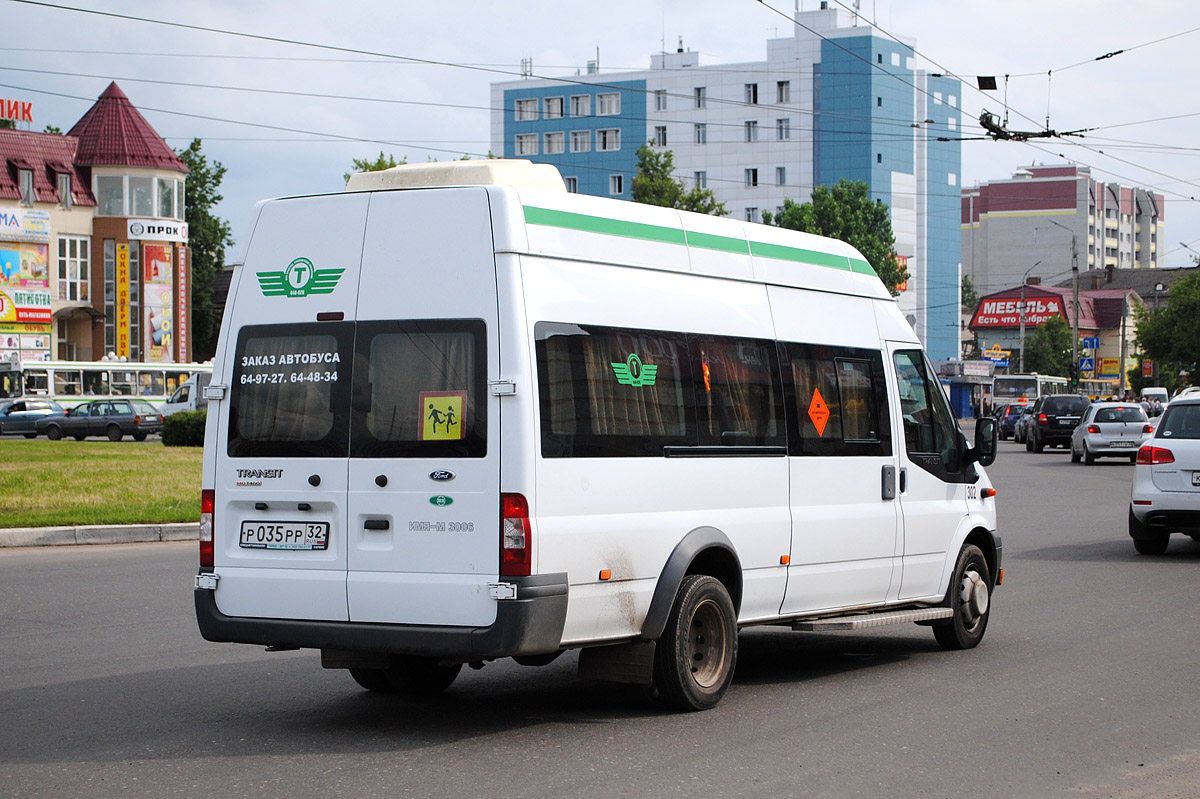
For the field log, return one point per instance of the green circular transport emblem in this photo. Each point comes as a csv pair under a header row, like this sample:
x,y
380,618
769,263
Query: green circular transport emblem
x,y
299,279
441,501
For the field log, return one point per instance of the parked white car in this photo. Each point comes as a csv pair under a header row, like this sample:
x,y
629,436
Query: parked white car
x,y
1166,481
1110,430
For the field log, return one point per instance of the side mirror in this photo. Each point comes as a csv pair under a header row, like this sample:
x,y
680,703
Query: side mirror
x,y
987,436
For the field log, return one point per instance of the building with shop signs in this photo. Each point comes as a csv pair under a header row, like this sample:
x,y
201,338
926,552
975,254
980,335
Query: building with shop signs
x,y
93,245
1106,320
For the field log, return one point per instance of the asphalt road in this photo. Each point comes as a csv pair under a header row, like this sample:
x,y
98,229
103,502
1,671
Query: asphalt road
x,y
1084,686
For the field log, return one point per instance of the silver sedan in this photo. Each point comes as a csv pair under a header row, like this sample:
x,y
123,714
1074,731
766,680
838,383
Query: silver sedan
x,y
1110,430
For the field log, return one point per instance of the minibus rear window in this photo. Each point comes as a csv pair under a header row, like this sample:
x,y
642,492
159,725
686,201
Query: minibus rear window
x,y
420,389
291,391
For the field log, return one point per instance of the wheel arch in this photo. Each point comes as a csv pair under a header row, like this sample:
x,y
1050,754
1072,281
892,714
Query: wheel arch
x,y
974,531
705,550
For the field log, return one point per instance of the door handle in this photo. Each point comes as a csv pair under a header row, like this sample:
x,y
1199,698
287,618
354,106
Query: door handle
x,y
903,479
376,524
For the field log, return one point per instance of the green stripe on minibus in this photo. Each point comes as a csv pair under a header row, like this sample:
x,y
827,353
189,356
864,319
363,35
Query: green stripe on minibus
x,y
784,253
603,225
708,241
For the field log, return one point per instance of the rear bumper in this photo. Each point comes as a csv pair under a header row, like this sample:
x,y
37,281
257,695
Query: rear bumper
x,y
528,625
1156,522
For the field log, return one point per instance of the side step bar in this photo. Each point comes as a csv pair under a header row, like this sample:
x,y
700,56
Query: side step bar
x,y
866,620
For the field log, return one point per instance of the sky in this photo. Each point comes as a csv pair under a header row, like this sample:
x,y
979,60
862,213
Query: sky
x,y
286,118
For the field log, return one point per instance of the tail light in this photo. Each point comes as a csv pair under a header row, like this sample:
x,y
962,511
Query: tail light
x,y
1151,455
1147,428
516,537
137,420
1042,419
1093,428
207,500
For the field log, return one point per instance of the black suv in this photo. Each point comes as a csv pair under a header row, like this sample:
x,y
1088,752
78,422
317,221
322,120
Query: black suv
x,y
1054,419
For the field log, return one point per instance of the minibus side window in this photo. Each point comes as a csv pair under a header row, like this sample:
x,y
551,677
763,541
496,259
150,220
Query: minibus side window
x,y
837,401
613,392
929,427
291,391
739,395
420,389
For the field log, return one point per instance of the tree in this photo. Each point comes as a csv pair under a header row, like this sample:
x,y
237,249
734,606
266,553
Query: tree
x,y
1171,334
1048,350
384,161
970,297
53,129
654,184
845,212
208,236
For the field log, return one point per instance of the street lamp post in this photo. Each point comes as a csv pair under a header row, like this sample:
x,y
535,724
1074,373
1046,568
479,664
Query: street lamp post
x,y
1074,302
1021,312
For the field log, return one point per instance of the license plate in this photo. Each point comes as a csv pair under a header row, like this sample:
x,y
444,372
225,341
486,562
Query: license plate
x,y
285,535
1124,443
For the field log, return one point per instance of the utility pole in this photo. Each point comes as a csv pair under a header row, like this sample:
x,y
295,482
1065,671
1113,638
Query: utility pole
x,y
1074,304
1021,312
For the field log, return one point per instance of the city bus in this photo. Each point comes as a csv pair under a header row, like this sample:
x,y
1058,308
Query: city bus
x,y
70,383
1024,389
1097,389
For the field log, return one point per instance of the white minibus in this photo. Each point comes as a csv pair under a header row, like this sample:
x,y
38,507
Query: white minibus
x,y
459,414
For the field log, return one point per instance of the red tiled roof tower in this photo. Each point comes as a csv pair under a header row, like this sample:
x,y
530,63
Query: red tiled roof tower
x,y
114,133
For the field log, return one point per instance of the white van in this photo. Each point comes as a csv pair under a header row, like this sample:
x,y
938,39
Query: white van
x,y
189,396
459,414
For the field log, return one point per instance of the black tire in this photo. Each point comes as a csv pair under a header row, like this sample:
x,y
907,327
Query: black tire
x,y
114,432
31,435
1144,541
696,656
1088,457
1038,446
1075,456
373,680
1133,458
78,437
140,436
54,432
1151,546
1028,444
420,676
969,596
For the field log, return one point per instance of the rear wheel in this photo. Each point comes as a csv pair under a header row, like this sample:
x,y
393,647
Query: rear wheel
x,y
1088,457
696,656
373,680
54,432
1133,458
969,596
114,432
1145,542
1038,446
31,435
420,676
1075,456
78,437
139,436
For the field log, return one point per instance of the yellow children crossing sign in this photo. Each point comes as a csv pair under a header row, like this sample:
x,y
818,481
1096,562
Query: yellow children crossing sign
x,y
442,415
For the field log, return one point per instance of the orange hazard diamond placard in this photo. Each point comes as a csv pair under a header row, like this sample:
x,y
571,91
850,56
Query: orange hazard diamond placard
x,y
818,411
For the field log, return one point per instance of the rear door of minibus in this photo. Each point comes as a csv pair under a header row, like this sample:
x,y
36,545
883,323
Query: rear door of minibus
x,y
424,475
283,435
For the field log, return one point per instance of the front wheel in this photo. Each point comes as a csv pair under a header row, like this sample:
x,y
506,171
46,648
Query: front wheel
x,y
114,432
969,596
54,432
696,656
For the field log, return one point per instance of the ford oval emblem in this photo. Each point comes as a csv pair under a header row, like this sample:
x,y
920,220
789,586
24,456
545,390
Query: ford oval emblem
x,y
441,475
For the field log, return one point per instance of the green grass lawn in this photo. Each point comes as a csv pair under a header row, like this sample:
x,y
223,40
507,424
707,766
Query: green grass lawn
x,y
49,483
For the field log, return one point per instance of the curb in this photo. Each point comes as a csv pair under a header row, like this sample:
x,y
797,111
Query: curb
x,y
98,534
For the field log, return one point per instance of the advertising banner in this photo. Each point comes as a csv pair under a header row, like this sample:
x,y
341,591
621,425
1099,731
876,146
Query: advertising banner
x,y
24,264
1006,312
25,224
158,306
182,310
1110,367
122,300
